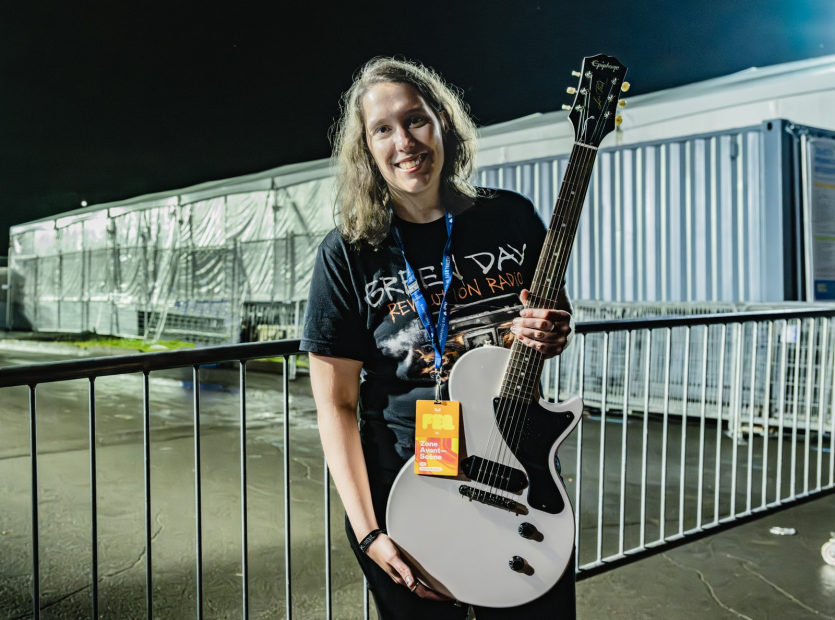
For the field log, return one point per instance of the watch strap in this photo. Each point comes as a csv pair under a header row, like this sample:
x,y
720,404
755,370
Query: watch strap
x,y
365,543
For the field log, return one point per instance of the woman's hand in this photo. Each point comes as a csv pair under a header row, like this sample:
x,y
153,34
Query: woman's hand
x,y
547,331
385,554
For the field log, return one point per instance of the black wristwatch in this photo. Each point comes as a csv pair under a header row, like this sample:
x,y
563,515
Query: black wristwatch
x,y
372,536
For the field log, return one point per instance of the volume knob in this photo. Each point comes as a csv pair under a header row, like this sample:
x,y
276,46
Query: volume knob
x,y
517,563
526,530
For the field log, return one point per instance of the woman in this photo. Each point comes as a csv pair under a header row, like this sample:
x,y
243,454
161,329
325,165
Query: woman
x,y
405,148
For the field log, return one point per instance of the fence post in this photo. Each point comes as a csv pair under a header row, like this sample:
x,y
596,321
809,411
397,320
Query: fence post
x,y
244,521
807,418
146,437
94,516
821,399
579,473
33,461
663,510
719,423
766,412
288,576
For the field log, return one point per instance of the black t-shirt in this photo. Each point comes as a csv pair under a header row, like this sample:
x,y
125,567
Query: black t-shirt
x,y
358,308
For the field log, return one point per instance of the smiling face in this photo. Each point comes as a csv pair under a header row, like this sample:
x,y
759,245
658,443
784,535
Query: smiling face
x,y
405,137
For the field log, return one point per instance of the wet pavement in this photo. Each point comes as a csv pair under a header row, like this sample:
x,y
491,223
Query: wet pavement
x,y
65,499
744,572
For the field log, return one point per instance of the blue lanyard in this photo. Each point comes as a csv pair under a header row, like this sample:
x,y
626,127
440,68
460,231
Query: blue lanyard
x,y
438,335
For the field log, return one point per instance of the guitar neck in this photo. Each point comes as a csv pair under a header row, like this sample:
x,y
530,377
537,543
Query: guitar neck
x,y
593,116
521,379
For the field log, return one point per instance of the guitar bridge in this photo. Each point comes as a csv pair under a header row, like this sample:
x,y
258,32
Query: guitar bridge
x,y
491,499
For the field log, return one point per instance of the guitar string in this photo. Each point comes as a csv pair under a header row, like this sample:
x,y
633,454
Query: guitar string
x,y
563,257
506,416
520,352
502,405
517,349
555,241
518,418
503,414
546,301
496,430
512,428
509,417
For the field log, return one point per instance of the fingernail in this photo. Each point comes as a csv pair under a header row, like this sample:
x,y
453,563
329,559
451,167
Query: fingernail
x,y
408,581
514,329
517,321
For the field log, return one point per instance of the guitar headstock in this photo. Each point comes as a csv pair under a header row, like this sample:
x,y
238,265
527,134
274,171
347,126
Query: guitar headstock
x,y
597,99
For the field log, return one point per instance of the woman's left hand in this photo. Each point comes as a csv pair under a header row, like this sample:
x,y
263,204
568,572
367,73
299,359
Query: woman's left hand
x,y
547,331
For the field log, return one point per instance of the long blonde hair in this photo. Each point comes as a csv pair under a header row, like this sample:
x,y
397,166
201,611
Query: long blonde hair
x,y
363,214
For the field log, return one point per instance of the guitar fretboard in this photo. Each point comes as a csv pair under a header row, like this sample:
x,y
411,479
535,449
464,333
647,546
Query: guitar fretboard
x,y
521,379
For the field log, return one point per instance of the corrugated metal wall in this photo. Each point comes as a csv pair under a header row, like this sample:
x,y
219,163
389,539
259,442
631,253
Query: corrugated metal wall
x,y
681,220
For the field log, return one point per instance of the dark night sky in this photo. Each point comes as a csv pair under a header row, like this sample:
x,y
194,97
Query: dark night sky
x,y
105,100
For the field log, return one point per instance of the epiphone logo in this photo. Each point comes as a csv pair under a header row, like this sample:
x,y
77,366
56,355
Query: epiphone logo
x,y
603,65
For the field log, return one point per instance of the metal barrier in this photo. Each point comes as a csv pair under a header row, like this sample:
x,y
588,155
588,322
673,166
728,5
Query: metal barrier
x,y
792,332
763,377
762,406
91,369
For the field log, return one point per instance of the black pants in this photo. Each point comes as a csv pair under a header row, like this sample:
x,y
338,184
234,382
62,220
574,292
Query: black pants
x,y
395,602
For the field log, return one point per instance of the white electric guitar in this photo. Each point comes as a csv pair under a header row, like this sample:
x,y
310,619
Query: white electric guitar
x,y
501,533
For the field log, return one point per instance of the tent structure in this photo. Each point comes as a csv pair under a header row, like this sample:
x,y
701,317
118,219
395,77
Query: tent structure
x,y
688,203
180,264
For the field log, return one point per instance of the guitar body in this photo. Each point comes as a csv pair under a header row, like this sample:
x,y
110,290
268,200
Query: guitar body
x,y
462,547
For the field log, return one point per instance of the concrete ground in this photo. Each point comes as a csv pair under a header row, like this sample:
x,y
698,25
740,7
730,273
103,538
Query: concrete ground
x,y
744,572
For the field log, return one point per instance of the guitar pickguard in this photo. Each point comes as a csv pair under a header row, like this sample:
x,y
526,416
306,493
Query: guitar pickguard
x,y
530,436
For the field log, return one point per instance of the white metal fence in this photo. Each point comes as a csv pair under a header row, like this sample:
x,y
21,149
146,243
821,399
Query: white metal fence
x,y
727,437
728,415
799,344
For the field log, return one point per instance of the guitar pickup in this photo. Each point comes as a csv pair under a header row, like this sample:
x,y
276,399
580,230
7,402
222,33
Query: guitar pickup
x,y
493,474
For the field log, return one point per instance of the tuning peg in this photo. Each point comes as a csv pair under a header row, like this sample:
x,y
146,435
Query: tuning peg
x,y
576,74
618,120
622,103
565,106
570,90
625,86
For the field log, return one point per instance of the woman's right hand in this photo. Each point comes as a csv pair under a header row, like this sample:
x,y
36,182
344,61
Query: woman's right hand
x,y
384,552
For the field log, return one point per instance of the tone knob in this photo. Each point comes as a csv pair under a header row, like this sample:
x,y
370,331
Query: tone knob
x,y
526,530
517,563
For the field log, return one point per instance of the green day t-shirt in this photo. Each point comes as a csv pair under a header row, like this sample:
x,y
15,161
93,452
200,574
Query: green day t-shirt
x,y
358,308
